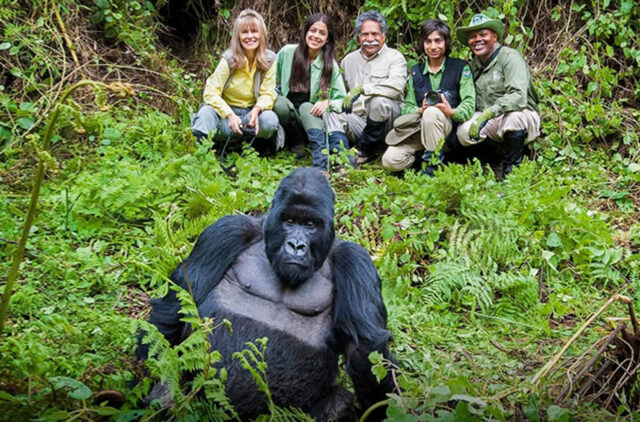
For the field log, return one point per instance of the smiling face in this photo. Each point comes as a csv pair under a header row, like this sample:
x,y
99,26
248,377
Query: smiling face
x,y
250,37
316,37
371,37
483,43
435,45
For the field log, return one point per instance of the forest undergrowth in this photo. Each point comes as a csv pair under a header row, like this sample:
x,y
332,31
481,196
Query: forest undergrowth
x,y
485,280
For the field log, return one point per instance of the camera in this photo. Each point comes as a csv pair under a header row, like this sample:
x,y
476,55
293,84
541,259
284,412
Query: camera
x,y
250,131
433,97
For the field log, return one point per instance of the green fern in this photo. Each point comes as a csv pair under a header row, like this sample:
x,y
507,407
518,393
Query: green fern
x,y
192,359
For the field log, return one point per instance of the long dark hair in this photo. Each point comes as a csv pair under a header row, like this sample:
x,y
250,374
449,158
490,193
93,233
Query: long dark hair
x,y
299,81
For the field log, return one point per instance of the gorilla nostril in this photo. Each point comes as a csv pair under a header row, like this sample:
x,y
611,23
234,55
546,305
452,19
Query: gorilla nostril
x,y
296,247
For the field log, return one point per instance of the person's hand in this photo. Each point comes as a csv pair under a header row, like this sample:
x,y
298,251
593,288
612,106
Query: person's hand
x,y
234,123
350,98
425,105
444,106
474,129
253,118
319,107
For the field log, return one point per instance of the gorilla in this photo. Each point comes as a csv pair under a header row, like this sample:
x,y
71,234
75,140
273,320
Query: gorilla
x,y
286,277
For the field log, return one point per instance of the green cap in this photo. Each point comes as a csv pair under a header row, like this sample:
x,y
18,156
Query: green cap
x,y
477,22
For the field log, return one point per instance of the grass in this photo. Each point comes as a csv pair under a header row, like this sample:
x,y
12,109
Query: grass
x,y
484,280
461,256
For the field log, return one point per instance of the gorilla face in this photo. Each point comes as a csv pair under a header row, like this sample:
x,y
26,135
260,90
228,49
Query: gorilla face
x,y
298,231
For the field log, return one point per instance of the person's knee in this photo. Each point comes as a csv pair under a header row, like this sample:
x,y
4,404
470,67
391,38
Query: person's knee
x,y
281,107
268,119
204,121
379,108
305,109
335,122
308,120
386,160
514,122
462,133
432,115
394,160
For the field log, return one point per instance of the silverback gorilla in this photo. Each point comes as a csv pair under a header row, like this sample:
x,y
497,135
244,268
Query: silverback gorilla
x,y
287,277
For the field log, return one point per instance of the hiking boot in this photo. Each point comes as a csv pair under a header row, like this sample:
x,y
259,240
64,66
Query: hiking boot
x,y
432,161
513,144
318,142
369,142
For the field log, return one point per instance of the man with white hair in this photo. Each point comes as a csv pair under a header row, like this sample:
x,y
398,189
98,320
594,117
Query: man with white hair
x,y
375,76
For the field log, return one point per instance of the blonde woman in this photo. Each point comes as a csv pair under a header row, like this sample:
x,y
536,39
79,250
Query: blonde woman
x,y
239,95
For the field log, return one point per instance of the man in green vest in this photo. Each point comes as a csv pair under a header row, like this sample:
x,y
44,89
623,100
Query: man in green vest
x,y
506,102
439,97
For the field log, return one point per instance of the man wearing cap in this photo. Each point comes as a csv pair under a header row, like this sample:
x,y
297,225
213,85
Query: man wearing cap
x,y
375,76
506,101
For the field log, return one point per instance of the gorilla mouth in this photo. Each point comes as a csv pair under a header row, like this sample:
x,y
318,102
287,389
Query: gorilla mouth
x,y
296,263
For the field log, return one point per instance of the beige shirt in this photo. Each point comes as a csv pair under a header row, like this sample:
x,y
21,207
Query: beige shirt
x,y
384,74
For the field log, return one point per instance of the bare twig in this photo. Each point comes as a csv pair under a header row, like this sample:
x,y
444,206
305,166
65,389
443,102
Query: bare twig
x,y
634,321
545,369
63,29
588,365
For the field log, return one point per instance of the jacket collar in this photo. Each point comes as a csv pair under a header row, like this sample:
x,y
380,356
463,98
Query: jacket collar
x,y
318,62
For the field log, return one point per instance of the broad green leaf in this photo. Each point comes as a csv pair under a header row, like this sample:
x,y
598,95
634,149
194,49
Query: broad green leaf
x,y
26,123
79,391
553,240
558,414
27,106
626,6
107,411
469,399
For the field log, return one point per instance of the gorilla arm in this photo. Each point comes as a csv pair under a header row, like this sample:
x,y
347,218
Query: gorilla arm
x,y
216,249
360,319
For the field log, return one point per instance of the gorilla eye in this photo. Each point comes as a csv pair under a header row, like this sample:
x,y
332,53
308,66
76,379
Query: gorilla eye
x,y
310,224
290,221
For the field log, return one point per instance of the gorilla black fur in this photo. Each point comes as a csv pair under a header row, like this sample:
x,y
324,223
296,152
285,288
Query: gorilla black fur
x,y
286,277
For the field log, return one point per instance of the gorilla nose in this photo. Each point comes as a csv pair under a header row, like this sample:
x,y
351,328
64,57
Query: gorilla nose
x,y
296,247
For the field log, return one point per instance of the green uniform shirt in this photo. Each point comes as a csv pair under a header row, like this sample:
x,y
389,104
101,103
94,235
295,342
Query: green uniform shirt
x,y
505,84
283,74
467,92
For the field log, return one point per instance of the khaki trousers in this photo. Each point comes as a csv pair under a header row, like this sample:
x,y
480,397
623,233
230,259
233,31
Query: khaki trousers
x,y
435,126
378,109
495,128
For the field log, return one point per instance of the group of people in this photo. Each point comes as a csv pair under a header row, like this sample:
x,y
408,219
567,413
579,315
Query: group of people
x,y
255,94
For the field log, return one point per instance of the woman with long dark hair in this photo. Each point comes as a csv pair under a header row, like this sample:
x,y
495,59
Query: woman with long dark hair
x,y
310,83
240,93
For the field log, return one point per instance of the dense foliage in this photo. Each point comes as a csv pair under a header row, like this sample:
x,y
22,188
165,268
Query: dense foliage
x,y
484,280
